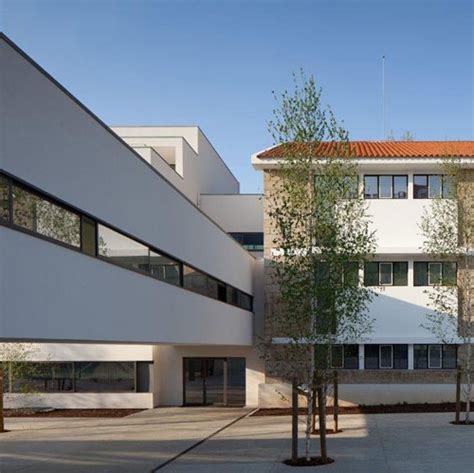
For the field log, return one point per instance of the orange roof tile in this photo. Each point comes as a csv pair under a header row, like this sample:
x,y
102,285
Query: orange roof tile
x,y
383,149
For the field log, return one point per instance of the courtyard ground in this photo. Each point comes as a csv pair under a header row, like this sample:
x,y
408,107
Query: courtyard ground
x,y
144,442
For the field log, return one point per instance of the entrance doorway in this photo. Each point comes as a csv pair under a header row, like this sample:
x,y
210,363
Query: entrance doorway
x,y
214,382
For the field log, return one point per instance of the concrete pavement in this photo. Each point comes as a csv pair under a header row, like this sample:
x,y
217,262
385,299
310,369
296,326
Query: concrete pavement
x,y
388,443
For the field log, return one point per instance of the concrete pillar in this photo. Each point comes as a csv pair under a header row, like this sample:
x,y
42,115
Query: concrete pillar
x,y
361,357
411,364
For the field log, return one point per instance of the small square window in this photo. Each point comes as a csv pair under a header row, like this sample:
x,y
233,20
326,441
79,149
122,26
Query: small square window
x,y
434,356
386,356
386,273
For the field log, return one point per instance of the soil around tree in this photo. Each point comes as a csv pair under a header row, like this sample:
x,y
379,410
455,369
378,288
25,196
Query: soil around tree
x,y
314,461
117,413
380,409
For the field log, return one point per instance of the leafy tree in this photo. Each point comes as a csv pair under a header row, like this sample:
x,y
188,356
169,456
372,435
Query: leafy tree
x,y
448,229
321,240
14,365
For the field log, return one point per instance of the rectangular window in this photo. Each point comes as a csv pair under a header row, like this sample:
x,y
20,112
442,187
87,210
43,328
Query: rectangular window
x,y
431,186
434,356
232,295
164,268
450,356
34,213
386,356
400,273
43,377
121,249
400,357
385,274
420,357
105,376
244,301
371,274
371,357
386,186
251,241
337,356
351,357
434,273
4,198
88,234
194,280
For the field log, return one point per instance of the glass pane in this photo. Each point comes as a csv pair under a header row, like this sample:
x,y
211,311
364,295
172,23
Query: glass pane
x,y
351,274
385,187
351,185
371,357
244,301
351,357
420,273
449,356
337,358
435,274
371,187
164,268
111,376
400,187
400,274
193,381
420,187
34,213
221,292
371,274
214,382
385,274
121,249
386,356
420,356
232,295
449,273
4,201
236,381
434,356
434,187
400,357
194,280
42,377
449,189
88,236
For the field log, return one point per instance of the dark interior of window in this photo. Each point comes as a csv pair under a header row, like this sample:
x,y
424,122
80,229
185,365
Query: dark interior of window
x,y
251,241
386,187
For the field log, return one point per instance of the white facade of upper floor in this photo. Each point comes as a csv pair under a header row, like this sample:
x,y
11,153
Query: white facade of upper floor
x,y
52,143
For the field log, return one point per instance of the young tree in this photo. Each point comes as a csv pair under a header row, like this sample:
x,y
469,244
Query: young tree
x,y
321,240
13,364
448,229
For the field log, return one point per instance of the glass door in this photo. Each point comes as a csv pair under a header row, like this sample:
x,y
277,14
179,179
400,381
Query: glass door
x,y
194,382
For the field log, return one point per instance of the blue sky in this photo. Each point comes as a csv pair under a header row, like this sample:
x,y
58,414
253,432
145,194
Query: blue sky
x,y
215,63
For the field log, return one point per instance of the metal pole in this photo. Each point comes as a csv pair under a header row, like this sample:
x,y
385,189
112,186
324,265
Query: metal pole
x,y
458,395
336,403
294,423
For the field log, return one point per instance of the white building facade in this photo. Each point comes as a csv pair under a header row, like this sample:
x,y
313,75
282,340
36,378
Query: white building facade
x,y
133,264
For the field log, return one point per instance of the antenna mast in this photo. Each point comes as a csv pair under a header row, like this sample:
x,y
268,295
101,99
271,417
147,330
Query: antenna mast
x,y
383,98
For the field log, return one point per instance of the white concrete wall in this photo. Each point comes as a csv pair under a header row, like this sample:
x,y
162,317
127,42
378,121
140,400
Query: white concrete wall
x,y
80,400
234,213
89,352
51,293
54,144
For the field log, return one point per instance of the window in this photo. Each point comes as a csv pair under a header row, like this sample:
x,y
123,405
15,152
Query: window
x,y
337,356
386,187
4,198
431,186
43,377
194,280
435,273
121,249
386,356
88,234
164,268
39,215
250,241
351,185
105,376
435,356
386,273
345,356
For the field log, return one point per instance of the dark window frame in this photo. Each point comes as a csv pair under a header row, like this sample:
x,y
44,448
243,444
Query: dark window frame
x,y
13,180
394,265
393,176
443,185
425,272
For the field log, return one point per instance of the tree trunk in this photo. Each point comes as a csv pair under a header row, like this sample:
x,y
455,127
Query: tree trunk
x,y
2,421
294,422
309,417
322,422
336,403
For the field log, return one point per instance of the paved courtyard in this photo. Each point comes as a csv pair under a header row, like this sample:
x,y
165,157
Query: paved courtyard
x,y
389,443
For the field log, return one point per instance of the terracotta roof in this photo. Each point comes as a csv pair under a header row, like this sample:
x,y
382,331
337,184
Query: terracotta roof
x,y
383,149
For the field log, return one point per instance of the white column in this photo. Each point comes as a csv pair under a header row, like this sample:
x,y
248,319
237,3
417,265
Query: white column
x,y
411,274
410,185
411,364
361,357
